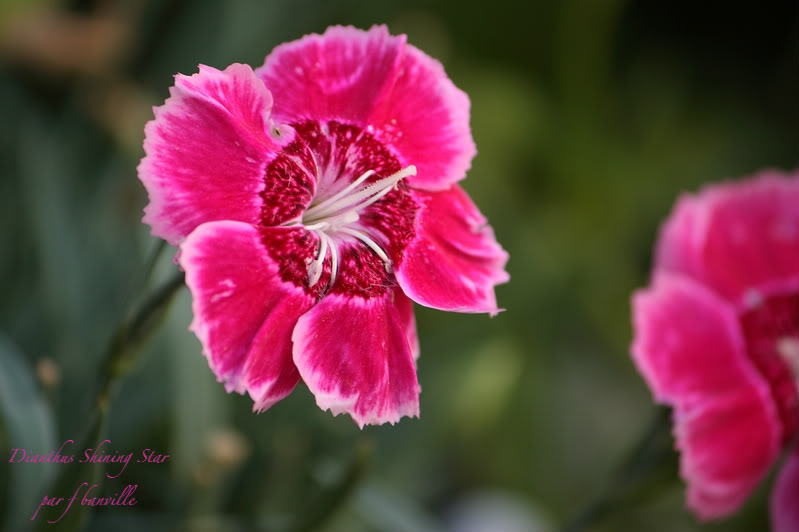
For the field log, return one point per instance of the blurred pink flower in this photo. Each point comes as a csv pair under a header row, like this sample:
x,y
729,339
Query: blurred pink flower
x,y
717,338
313,200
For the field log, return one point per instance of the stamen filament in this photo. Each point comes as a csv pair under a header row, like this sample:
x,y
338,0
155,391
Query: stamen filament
x,y
369,242
316,267
335,215
337,196
369,193
333,260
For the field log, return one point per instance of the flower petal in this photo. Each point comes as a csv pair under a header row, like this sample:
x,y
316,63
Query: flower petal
x,y
404,308
784,497
244,314
207,150
425,119
373,80
454,261
354,356
689,349
340,75
737,237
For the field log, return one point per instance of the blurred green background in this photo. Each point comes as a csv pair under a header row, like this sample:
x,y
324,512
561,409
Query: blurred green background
x,y
590,117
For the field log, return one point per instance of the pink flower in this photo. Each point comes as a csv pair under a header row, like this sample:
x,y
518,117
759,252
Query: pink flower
x,y
313,200
717,338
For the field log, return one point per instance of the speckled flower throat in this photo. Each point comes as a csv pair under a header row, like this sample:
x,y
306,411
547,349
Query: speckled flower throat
x,y
354,215
770,328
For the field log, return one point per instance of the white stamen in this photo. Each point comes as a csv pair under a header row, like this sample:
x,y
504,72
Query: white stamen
x,y
353,202
333,261
335,197
369,242
336,214
316,266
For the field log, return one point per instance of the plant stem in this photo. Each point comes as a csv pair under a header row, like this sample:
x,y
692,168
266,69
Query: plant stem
x,y
133,332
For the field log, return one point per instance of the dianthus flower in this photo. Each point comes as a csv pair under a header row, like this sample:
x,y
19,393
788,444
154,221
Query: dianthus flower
x,y
717,338
313,200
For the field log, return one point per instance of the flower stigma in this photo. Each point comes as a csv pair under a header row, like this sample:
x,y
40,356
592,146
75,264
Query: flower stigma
x,y
336,215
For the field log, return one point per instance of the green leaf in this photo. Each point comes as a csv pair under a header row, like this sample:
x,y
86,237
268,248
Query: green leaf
x,y
30,425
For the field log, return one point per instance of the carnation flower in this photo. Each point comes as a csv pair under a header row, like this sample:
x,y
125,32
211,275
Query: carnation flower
x,y
313,200
717,338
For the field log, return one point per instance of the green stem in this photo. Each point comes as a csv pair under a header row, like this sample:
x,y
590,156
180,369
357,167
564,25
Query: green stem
x,y
133,332
652,449
153,260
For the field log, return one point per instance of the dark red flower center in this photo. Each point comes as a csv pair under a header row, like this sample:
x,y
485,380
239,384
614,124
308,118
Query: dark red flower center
x,y
338,212
771,330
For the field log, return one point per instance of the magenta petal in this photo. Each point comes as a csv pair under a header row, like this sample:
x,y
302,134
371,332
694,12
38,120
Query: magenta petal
x,y
737,236
785,496
244,314
404,308
425,119
207,150
340,75
353,354
454,261
689,349
373,80
680,238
